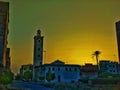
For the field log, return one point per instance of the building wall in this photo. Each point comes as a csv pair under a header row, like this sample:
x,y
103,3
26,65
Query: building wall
x,y
89,71
8,61
4,19
64,73
112,67
107,66
118,37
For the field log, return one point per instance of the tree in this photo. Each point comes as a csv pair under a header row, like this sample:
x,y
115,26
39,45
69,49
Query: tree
x,y
41,78
96,54
50,76
5,78
27,74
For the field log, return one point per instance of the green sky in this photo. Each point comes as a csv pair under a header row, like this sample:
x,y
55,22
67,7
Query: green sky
x,y
72,30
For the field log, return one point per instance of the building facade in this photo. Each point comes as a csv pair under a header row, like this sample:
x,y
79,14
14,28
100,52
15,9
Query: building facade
x,y
38,54
8,61
89,71
63,72
108,66
118,38
4,19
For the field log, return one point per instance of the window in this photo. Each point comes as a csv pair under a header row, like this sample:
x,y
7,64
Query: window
x,y
75,69
44,68
53,69
49,69
113,66
58,69
38,55
69,69
66,69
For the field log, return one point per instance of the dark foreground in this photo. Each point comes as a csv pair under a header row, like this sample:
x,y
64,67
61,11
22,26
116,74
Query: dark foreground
x,y
20,85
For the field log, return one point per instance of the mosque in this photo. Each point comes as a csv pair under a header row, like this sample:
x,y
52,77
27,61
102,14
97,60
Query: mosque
x,y
62,72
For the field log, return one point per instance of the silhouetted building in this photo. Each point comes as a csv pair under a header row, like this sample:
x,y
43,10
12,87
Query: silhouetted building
x,y
4,19
8,61
89,71
118,37
106,66
38,54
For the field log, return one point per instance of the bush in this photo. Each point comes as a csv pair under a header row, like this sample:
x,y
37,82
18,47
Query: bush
x,y
5,78
41,78
50,76
28,74
110,80
84,80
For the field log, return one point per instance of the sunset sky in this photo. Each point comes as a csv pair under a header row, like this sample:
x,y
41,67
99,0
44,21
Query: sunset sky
x,y
72,30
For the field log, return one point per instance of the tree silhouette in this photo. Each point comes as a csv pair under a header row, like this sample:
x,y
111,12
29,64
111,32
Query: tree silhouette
x,y
50,76
96,54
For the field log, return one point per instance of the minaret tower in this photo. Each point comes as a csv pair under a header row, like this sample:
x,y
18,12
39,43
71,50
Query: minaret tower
x,y
38,54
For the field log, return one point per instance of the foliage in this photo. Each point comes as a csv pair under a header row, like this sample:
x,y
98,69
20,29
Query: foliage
x,y
84,80
108,74
27,74
41,78
109,80
96,54
19,77
6,78
50,76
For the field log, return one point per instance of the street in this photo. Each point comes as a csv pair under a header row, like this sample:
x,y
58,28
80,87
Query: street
x,y
29,85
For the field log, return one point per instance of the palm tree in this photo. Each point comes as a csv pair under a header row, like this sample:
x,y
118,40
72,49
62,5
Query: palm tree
x,y
96,54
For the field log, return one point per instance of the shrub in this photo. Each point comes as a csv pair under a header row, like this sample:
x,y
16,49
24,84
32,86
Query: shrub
x,y
84,80
110,80
41,78
50,76
27,74
5,78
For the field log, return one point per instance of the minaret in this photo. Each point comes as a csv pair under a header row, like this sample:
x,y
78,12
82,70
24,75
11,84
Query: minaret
x,y
38,54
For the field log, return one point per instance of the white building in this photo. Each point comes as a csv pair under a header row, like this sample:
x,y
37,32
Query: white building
x,y
63,72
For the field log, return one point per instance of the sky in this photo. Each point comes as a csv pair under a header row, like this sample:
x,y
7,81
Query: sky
x,y
72,30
